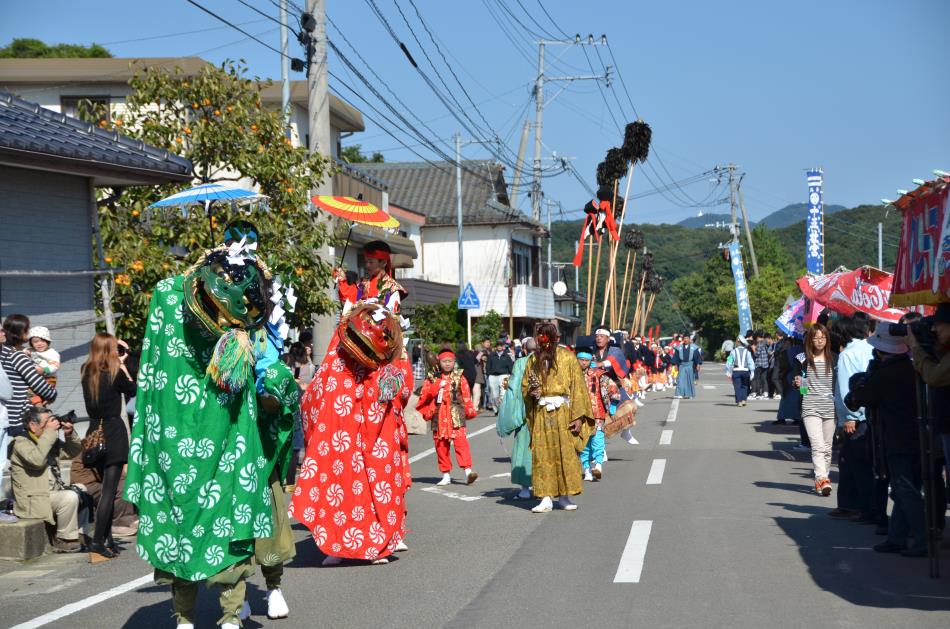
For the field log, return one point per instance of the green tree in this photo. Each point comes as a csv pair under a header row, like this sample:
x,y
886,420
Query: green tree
x,y
437,323
26,48
353,155
217,120
488,326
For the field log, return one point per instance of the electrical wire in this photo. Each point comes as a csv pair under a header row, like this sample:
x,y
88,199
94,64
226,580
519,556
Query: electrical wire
x,y
167,35
237,28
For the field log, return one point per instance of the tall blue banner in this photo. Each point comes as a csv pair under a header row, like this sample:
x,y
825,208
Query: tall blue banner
x,y
815,225
742,290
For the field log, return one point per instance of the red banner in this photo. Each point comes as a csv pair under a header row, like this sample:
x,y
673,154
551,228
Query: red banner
x,y
865,289
922,275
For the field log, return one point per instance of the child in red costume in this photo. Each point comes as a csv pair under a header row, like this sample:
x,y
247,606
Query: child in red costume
x,y
447,402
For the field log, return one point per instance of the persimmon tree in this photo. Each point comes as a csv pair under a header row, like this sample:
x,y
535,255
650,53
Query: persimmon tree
x,y
217,120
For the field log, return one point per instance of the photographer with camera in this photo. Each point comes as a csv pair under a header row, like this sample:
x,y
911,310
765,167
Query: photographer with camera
x,y
885,389
929,340
38,488
932,362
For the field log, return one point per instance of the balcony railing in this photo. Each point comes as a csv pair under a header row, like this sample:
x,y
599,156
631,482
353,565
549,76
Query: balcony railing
x,y
351,182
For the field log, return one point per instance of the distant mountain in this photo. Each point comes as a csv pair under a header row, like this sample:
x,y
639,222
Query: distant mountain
x,y
791,214
705,219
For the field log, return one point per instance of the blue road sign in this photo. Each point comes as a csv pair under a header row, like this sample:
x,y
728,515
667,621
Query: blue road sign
x,y
469,300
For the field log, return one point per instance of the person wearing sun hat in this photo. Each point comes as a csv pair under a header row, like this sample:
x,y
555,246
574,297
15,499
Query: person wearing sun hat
x,y
888,389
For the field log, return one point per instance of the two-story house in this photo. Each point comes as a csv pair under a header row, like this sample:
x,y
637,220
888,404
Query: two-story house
x,y
501,246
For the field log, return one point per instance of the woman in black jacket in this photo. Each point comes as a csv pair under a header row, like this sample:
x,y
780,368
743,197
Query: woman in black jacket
x,y
105,380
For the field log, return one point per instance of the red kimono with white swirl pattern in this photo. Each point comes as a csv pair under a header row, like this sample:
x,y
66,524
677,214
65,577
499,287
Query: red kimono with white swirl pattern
x,y
351,485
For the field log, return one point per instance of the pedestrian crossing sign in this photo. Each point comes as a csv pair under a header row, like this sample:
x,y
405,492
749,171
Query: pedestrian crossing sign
x,y
469,300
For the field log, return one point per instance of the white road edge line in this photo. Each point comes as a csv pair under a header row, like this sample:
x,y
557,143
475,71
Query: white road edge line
x,y
634,552
431,451
656,472
709,386
674,408
666,437
72,608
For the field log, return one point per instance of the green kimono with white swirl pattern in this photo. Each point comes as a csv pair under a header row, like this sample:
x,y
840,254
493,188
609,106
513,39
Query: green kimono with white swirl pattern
x,y
197,469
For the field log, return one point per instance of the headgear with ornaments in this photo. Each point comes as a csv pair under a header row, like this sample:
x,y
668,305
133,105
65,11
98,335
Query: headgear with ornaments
x,y
379,250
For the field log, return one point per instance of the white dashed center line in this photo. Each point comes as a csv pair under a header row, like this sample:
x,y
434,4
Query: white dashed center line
x,y
631,561
656,472
666,437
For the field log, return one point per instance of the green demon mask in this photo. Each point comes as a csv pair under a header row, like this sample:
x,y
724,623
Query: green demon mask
x,y
224,294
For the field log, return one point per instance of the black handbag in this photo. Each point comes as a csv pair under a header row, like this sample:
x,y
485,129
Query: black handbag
x,y
94,447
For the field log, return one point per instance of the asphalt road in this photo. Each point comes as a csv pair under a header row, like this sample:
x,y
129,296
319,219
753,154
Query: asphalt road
x,y
724,532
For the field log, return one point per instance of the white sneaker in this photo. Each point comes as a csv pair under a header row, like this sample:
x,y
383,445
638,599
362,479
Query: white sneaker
x,y
588,476
185,625
401,547
566,503
276,605
382,561
637,402
778,397
230,625
332,561
598,471
627,435
544,506
245,611
446,480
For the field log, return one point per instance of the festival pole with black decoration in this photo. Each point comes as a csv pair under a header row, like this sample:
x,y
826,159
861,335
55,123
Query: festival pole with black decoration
x,y
636,148
646,269
609,173
654,286
632,241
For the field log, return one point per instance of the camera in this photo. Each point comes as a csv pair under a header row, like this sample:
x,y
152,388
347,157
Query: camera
x,y
922,329
67,418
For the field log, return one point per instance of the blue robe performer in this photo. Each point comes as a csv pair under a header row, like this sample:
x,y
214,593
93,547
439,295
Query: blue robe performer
x,y
512,421
687,360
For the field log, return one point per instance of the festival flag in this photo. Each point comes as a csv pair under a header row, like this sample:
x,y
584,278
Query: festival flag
x,y
815,225
742,290
922,274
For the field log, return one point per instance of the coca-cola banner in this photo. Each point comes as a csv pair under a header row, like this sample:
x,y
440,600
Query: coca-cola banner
x,y
865,289
922,275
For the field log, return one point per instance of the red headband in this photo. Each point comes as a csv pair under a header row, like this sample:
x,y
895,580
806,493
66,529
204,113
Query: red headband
x,y
446,353
380,254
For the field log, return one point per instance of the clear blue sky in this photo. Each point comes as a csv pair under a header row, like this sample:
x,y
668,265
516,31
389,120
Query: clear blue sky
x,y
861,88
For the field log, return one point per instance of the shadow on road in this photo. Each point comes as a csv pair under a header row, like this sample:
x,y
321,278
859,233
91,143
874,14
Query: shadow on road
x,y
840,560
797,488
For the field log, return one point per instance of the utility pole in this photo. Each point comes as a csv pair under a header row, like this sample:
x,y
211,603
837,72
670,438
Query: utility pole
x,y
536,193
550,204
284,68
519,166
318,97
538,114
734,224
314,25
748,232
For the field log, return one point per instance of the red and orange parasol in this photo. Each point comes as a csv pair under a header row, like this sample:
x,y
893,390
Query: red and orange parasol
x,y
355,210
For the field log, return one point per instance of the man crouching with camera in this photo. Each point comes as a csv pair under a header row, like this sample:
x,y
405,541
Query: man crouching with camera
x,y
38,488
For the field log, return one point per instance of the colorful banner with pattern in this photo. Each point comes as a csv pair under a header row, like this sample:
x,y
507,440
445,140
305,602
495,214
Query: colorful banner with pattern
x,y
922,274
815,225
742,289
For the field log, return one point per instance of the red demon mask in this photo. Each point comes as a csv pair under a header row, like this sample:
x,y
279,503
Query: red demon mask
x,y
370,334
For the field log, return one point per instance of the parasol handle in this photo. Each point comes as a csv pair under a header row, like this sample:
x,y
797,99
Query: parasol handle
x,y
346,245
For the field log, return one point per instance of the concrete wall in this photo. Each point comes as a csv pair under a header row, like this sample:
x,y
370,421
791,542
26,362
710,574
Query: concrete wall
x,y
46,226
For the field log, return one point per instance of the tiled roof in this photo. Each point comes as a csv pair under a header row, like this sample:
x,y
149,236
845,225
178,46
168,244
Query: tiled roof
x,y
30,131
430,189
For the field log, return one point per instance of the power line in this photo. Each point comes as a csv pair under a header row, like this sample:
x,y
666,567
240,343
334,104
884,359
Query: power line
x,y
182,33
236,27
